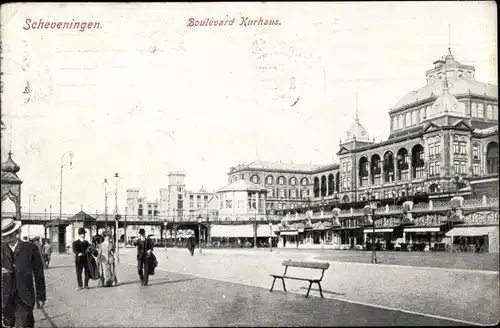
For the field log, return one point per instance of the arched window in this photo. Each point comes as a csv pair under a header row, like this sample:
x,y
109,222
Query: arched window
x,y
281,180
388,167
363,171
337,181
473,110
293,181
414,117
304,182
492,158
331,184
495,112
323,186
376,169
417,161
394,123
489,112
269,179
401,124
402,164
408,119
480,110
422,114
254,178
316,187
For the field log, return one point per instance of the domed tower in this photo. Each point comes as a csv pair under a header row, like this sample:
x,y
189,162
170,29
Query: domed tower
x,y
451,94
356,136
11,184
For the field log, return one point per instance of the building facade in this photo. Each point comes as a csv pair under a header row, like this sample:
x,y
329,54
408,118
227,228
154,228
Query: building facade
x,y
445,130
443,143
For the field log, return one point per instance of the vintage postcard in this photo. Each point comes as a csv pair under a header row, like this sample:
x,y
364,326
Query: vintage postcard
x,y
249,164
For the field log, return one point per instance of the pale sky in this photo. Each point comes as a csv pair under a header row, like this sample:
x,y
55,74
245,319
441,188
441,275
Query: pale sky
x,y
145,94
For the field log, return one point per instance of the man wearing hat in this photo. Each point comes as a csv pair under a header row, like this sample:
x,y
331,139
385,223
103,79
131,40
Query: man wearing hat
x,y
80,248
144,248
21,265
36,241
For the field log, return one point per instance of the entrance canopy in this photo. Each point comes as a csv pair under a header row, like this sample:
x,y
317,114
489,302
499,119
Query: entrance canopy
x,y
422,229
238,231
470,231
289,233
367,230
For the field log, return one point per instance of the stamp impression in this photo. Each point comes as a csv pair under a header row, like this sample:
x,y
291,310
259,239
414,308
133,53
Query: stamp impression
x,y
286,72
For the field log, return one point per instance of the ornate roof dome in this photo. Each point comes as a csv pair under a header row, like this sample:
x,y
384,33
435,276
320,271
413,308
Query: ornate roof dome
x,y
9,165
460,78
357,132
446,103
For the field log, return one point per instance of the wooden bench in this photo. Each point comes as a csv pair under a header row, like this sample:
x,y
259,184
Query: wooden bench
x,y
301,264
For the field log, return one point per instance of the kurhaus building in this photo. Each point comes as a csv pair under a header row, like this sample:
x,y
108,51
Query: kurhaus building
x,y
443,142
445,129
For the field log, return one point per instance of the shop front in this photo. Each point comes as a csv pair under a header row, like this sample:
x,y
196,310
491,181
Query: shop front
x,y
480,237
429,236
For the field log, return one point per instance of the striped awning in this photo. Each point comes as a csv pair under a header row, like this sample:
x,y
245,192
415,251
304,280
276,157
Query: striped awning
x,y
422,229
379,230
470,231
264,231
233,230
289,233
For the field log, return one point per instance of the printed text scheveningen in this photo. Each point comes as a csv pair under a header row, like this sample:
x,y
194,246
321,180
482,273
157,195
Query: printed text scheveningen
x,y
244,22
58,25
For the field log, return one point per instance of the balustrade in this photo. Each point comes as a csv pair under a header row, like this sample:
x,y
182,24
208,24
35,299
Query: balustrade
x,y
345,213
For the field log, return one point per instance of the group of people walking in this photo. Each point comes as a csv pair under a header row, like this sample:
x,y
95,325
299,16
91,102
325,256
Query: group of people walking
x,y
23,277
23,264
98,261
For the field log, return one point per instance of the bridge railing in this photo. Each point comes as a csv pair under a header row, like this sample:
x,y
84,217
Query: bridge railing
x,y
213,216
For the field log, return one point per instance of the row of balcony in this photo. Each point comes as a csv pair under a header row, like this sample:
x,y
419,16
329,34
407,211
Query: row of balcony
x,y
290,215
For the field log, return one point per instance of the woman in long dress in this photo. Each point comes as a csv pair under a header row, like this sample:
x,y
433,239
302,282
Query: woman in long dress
x,y
107,261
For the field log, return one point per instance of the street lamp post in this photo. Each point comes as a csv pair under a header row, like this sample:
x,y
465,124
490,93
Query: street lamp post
x,y
125,228
106,193
323,205
29,210
45,225
199,232
71,154
165,233
270,236
117,217
370,212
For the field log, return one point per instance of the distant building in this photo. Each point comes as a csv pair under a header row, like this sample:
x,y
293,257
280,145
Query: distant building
x,y
175,203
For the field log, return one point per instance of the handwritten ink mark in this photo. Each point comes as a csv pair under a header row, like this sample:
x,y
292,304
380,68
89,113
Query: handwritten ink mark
x,y
296,101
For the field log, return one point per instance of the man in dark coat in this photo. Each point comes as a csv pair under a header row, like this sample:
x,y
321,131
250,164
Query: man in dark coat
x,y
81,249
191,245
36,241
21,265
144,248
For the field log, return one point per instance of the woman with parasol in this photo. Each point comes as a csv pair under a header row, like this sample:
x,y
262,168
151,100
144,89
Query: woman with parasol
x,y
107,261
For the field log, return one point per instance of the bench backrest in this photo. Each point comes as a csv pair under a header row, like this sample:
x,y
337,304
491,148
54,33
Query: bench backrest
x,y
308,265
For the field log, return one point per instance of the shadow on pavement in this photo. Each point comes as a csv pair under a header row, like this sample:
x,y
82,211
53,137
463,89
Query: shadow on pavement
x,y
60,267
171,281
324,291
49,319
155,282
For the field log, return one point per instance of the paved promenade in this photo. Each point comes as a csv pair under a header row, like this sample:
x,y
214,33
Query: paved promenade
x,y
471,296
222,288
